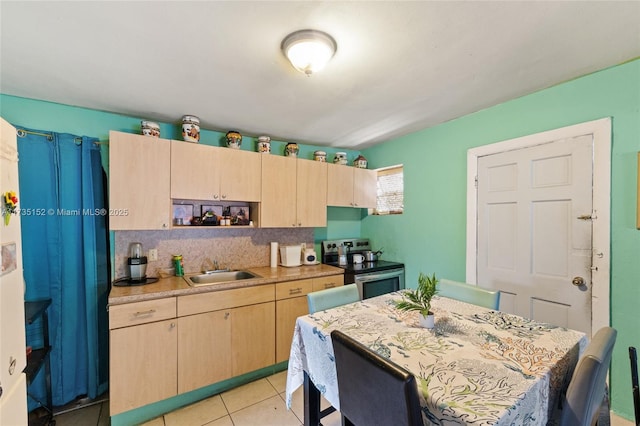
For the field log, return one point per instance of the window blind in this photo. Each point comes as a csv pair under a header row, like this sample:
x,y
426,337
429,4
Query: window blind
x,y
390,192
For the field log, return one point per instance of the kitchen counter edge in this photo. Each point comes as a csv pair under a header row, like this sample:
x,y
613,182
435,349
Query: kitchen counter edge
x,y
177,286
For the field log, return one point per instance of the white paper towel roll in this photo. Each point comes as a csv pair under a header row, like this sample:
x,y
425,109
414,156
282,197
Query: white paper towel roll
x,y
274,255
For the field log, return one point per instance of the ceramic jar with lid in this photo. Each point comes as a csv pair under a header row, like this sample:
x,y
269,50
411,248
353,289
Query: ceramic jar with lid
x,y
291,150
190,128
320,156
360,162
264,144
150,128
234,139
340,158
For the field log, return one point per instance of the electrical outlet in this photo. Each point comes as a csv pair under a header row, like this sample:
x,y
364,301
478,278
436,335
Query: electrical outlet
x,y
153,255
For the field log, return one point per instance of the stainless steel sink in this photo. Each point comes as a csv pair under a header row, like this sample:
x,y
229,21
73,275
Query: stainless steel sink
x,y
216,277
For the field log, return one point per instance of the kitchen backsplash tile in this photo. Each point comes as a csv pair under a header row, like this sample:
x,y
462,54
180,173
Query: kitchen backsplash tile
x,y
233,248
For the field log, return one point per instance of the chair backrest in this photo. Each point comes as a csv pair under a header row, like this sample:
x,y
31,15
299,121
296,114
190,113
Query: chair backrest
x,y
587,387
332,297
469,293
635,385
372,389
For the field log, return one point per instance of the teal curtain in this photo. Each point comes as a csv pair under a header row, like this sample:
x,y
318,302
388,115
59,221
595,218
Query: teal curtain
x,y
65,257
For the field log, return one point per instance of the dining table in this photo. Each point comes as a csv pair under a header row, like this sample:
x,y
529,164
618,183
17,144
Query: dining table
x,y
476,366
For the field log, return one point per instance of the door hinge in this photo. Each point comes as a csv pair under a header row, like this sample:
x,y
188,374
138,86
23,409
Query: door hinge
x,y
476,181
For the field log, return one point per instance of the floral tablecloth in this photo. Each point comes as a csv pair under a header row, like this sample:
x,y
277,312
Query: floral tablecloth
x,y
475,367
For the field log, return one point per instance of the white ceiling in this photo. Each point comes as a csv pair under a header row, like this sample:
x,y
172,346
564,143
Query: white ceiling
x,y
400,66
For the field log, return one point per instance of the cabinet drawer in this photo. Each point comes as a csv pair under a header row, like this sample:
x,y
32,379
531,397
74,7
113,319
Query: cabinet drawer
x,y
322,283
290,289
225,299
141,312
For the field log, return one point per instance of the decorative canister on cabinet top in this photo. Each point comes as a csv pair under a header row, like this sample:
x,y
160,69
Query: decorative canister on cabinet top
x,y
234,139
264,144
291,150
340,158
150,128
320,156
190,128
360,162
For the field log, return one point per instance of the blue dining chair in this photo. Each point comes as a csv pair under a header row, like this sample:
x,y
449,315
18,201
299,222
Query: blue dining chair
x,y
588,384
332,297
469,293
373,390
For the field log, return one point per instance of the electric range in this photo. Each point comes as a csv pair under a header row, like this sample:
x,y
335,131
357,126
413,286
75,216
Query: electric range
x,y
372,278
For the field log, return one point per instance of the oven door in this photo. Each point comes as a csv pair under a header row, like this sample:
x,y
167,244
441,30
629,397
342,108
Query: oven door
x,y
374,284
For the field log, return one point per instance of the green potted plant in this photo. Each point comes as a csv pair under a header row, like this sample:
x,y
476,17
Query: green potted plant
x,y
420,299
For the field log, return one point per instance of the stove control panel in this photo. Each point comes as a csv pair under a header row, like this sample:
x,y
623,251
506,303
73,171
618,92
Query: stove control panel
x,y
353,245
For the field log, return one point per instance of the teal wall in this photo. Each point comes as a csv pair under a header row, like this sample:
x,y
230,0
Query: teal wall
x,y
60,118
431,234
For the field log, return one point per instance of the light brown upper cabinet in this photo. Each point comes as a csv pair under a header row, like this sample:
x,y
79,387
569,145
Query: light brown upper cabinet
x,y
203,172
294,193
139,168
351,186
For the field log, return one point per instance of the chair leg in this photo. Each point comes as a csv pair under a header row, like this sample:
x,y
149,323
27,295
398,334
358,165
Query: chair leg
x,y
603,417
633,357
346,421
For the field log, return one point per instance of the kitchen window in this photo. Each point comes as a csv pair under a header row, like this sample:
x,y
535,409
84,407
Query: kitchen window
x,y
390,195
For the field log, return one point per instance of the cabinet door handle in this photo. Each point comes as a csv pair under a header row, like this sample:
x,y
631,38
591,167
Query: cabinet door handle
x,y
224,197
172,325
215,197
226,315
295,290
329,285
144,313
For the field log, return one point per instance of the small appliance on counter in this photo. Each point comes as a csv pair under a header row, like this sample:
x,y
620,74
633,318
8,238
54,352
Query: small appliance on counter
x,y
137,267
137,263
290,255
309,257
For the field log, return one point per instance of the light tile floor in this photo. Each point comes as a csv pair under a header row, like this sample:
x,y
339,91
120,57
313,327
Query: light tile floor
x,y
261,402
257,403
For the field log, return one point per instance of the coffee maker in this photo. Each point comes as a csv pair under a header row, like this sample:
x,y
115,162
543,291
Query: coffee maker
x,y
137,264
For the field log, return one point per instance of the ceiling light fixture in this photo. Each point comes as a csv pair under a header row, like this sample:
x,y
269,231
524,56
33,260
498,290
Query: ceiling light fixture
x,y
309,50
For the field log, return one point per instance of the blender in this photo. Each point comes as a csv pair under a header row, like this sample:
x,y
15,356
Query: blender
x,y
137,264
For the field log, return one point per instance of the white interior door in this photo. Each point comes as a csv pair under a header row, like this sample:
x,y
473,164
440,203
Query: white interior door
x,y
535,230
13,397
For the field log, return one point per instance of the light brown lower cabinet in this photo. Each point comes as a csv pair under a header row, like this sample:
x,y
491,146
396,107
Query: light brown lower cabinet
x,y
143,365
216,346
323,283
291,303
164,347
204,349
253,337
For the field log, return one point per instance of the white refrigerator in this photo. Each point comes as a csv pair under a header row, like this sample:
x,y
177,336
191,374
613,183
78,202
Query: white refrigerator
x,y
13,382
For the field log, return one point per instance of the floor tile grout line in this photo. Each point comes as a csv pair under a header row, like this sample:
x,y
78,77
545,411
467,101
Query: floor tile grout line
x,y
283,397
250,405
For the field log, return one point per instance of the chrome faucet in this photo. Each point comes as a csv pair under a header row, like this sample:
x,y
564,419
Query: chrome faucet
x,y
214,267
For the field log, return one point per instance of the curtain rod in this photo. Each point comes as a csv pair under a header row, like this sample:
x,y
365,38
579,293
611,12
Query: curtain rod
x,y
22,132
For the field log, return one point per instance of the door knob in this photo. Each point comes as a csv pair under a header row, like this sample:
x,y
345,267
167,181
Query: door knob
x,y
577,281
